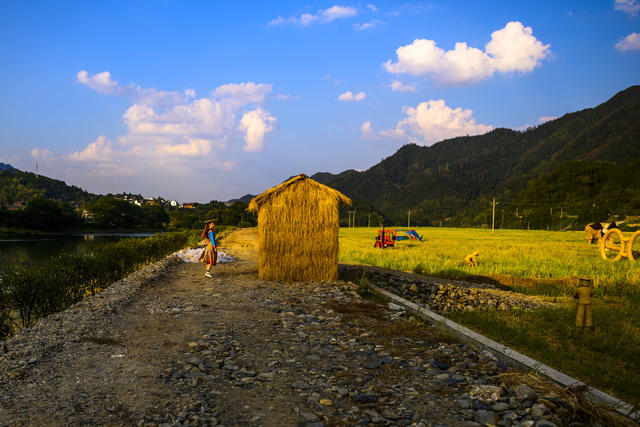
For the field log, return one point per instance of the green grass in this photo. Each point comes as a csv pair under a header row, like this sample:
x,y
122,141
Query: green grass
x,y
539,263
606,358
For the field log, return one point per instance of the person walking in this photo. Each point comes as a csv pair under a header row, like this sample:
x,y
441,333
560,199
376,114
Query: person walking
x,y
210,254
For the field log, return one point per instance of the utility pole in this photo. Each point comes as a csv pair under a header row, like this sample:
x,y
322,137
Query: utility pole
x,y
369,223
409,219
493,215
36,169
352,221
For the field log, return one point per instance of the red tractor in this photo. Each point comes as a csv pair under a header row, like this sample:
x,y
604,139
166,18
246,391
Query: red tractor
x,y
386,238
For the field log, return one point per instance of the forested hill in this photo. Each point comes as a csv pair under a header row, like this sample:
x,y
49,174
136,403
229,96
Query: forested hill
x,y
451,180
5,166
16,185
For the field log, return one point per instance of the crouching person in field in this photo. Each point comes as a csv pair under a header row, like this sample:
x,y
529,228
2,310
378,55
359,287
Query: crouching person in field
x,y
472,259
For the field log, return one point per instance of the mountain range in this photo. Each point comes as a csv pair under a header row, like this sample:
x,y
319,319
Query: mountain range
x,y
453,180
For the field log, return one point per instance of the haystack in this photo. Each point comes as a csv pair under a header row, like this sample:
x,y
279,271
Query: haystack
x,y
298,231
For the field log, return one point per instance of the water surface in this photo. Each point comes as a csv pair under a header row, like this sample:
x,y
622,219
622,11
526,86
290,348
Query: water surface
x,y
30,250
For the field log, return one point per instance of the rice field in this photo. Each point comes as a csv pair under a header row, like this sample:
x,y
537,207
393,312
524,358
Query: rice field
x,y
543,263
552,259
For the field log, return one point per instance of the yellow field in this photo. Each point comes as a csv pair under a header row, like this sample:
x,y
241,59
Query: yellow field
x,y
522,254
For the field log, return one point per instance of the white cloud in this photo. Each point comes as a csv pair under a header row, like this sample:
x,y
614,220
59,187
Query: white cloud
x,y
630,42
169,130
337,12
349,96
630,7
511,49
256,124
545,119
514,48
99,150
286,96
244,92
367,25
430,122
367,132
100,82
321,16
372,8
39,154
398,86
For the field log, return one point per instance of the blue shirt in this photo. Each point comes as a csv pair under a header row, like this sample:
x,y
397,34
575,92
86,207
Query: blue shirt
x,y
212,238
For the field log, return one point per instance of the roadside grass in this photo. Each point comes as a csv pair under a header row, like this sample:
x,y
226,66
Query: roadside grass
x,y
540,263
606,358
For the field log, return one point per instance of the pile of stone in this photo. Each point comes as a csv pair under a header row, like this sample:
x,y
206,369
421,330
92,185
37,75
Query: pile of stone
x,y
448,297
443,296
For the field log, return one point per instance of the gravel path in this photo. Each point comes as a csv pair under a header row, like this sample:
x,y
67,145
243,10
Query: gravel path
x,y
169,346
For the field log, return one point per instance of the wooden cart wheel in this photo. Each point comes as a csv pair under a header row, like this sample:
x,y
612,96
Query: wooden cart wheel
x,y
612,245
634,246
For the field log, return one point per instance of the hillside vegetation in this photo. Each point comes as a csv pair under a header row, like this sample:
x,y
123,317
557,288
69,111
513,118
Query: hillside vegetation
x,y
453,181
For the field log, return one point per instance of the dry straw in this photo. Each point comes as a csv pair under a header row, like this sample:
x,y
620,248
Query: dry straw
x,y
298,227
580,407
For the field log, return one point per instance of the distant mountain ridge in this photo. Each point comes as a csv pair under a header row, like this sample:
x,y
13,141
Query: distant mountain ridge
x,y
5,166
16,185
448,178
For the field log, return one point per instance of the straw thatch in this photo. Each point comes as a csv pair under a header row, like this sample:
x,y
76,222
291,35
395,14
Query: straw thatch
x,y
298,231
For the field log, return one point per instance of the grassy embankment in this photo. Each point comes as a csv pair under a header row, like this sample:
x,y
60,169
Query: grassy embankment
x,y
540,263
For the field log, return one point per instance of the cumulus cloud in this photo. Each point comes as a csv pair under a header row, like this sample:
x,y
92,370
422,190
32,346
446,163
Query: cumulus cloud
x,y
99,150
430,122
321,16
256,123
630,42
372,8
168,129
398,86
367,25
349,96
511,49
630,7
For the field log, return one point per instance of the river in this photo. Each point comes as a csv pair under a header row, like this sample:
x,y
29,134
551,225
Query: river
x,y
31,250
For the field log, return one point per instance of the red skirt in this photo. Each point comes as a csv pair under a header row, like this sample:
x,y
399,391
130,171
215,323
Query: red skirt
x,y
209,255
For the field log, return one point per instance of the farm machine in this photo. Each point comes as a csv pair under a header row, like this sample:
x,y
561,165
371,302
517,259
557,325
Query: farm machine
x,y
387,238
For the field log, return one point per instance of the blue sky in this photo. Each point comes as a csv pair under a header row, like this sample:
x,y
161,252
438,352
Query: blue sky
x,y
197,101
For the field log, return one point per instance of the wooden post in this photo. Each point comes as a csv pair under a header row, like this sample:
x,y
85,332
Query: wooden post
x,y
409,219
369,223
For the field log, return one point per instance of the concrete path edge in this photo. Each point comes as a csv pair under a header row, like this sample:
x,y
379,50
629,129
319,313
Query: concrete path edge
x,y
509,356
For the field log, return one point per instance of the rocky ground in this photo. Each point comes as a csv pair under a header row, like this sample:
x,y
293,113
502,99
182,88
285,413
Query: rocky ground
x,y
168,346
